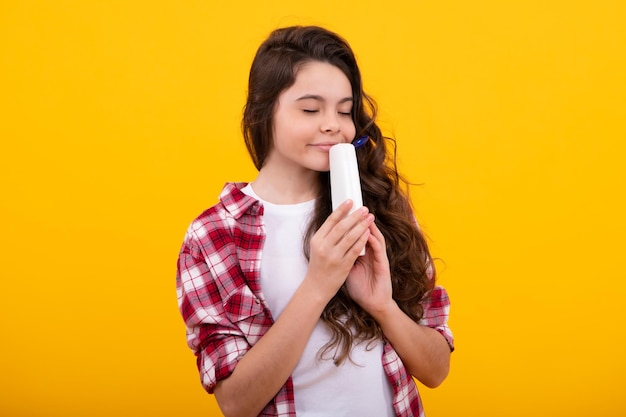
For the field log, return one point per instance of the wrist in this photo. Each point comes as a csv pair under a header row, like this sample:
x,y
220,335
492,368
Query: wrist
x,y
386,312
313,294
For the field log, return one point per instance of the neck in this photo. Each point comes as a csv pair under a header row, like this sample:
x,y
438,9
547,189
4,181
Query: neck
x,y
285,189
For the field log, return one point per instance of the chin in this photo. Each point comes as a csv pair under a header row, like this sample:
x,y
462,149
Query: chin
x,y
322,168
319,166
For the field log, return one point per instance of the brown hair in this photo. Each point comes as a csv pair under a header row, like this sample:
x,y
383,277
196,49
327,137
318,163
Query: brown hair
x,y
273,70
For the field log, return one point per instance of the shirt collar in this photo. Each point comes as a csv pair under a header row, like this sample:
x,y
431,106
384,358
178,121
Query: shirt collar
x,y
237,203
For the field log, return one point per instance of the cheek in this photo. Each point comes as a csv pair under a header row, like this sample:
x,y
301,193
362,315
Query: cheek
x,y
290,126
289,135
280,130
350,130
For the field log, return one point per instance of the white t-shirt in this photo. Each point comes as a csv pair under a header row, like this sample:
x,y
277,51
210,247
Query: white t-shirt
x,y
358,387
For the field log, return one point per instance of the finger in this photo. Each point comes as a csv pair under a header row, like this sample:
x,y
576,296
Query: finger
x,y
358,231
377,242
338,229
335,217
355,250
377,234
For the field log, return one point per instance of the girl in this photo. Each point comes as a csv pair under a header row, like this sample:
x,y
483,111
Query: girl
x,y
284,316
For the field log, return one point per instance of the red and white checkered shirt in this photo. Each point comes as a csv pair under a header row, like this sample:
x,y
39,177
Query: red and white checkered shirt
x,y
220,298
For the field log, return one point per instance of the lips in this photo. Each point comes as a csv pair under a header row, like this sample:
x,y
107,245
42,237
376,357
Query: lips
x,y
324,146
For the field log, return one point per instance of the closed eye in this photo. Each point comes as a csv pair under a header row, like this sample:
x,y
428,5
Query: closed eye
x,y
309,111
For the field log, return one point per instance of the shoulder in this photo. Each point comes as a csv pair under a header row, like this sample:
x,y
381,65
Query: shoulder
x,y
215,224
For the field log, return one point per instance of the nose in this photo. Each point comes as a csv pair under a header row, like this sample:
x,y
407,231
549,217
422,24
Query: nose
x,y
330,123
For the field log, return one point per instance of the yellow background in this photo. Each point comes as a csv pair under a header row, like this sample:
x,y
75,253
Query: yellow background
x,y
119,123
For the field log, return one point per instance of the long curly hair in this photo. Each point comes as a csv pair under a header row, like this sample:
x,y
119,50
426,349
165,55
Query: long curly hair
x,y
385,192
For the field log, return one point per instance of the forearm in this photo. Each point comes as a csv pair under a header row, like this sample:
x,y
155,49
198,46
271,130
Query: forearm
x,y
265,368
423,350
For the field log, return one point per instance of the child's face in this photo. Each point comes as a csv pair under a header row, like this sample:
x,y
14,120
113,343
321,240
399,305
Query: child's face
x,y
311,116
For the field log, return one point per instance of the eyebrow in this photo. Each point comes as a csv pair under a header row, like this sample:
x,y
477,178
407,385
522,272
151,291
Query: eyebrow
x,y
320,98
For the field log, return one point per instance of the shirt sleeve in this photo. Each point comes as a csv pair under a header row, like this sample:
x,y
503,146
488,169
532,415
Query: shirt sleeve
x,y
436,306
215,338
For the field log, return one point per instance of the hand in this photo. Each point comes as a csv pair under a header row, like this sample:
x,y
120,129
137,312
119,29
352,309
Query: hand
x,y
369,281
335,247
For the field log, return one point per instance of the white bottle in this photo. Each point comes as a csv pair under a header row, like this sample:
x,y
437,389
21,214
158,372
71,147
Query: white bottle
x,y
344,177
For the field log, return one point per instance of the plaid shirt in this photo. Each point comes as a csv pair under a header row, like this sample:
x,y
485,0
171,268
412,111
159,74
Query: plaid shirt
x,y
220,298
